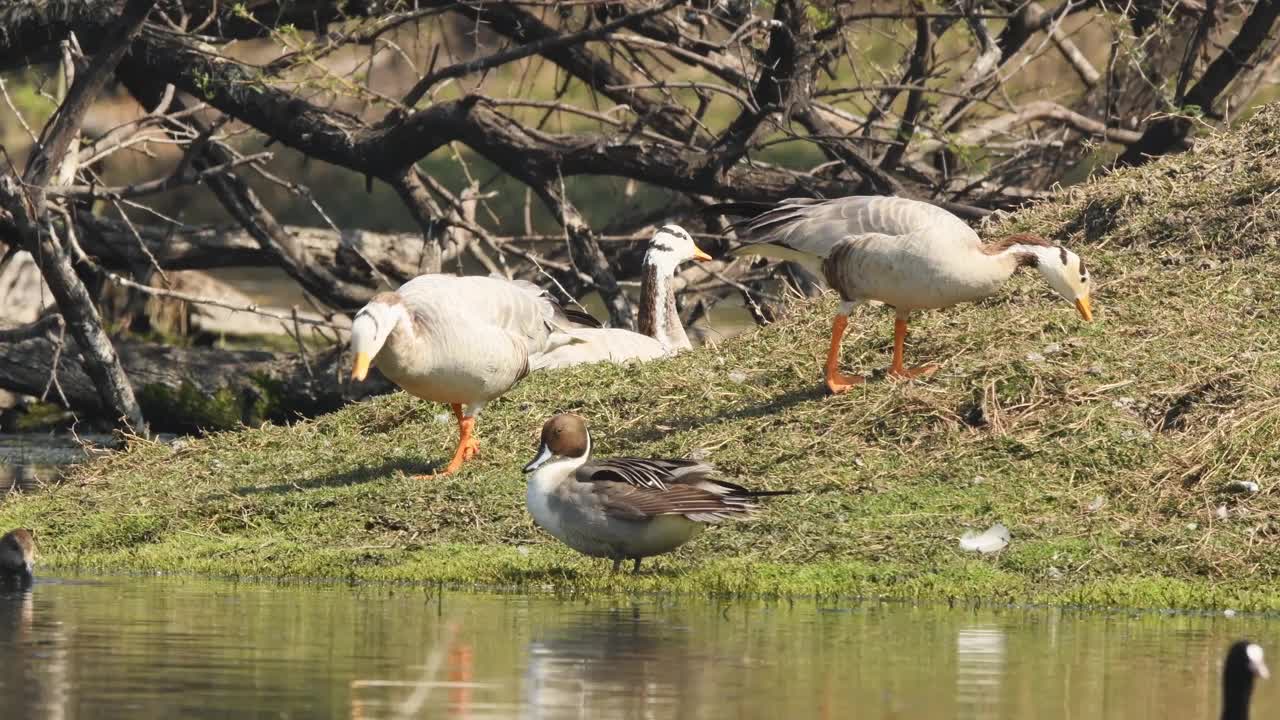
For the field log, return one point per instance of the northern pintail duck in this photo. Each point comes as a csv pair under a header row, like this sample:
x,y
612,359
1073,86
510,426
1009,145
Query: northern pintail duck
x,y
905,253
1245,662
624,508
661,332
460,340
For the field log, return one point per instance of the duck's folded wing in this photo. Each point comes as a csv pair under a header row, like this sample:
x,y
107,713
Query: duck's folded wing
x,y
653,473
630,502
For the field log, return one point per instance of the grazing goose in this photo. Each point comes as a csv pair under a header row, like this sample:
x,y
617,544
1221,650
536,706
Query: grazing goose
x,y
17,554
1245,662
661,333
459,340
624,508
904,253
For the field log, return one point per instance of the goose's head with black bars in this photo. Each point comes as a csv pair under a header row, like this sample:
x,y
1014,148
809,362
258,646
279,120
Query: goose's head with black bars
x,y
672,245
1062,269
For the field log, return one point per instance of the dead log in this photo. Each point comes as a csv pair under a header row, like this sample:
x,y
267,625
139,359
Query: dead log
x,y
356,256
190,389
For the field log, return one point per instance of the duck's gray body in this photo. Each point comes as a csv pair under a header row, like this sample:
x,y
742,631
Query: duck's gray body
x,y
628,508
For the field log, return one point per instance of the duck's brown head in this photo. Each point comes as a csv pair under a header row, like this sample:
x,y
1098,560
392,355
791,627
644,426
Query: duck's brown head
x,y
17,552
563,436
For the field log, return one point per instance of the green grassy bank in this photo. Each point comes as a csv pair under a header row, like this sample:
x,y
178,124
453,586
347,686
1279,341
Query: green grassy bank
x,y
1108,448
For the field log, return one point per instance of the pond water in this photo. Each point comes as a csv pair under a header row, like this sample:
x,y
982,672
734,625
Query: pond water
x,y
29,460
135,647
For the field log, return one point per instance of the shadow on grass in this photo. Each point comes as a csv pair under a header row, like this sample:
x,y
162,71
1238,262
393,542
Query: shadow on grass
x,y
817,391
363,474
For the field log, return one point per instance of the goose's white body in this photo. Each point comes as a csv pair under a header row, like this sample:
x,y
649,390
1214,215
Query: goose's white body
x,y
904,253
467,340
661,334
614,345
458,340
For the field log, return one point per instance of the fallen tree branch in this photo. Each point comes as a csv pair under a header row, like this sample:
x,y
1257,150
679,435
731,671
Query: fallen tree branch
x,y
26,203
193,389
41,327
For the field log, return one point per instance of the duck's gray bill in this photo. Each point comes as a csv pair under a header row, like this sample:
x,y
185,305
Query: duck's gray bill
x,y
544,454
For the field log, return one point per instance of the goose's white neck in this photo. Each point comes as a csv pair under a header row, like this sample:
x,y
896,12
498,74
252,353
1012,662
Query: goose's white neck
x,y
659,318
1006,260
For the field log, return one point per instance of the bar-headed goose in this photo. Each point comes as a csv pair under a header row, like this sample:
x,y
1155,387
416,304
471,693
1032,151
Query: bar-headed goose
x,y
459,340
904,253
624,508
661,333
1245,662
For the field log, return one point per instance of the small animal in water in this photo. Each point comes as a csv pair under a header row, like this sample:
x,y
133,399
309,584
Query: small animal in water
x,y
17,553
624,508
1245,662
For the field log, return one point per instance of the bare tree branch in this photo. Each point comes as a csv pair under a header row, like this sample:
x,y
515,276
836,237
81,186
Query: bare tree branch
x,y
26,203
541,46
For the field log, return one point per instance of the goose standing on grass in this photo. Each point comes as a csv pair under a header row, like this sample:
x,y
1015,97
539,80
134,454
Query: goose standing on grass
x,y
905,253
460,340
1245,662
661,333
624,508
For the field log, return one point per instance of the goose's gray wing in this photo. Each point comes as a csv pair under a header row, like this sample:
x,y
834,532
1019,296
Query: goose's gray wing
x,y
521,308
813,227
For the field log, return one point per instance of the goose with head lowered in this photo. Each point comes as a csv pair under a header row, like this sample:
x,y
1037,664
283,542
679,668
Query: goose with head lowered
x,y
460,340
908,254
661,333
624,508
1245,663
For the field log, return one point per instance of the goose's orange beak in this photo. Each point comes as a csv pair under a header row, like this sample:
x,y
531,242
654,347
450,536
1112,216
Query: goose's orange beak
x,y
360,367
1082,305
699,255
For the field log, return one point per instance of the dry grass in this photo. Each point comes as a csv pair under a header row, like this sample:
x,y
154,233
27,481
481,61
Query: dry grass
x,y
1108,449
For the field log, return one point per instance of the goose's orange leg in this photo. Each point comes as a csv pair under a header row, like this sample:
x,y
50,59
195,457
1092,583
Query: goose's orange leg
x,y
899,340
468,446
837,382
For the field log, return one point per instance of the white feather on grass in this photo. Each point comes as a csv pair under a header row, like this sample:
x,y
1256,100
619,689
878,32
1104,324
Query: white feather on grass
x,y
995,538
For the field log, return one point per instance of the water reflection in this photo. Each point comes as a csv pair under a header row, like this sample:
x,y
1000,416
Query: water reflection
x,y
979,670
144,648
31,460
617,663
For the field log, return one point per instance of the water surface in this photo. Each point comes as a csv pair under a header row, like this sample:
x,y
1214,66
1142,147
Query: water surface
x,y
165,648
30,460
